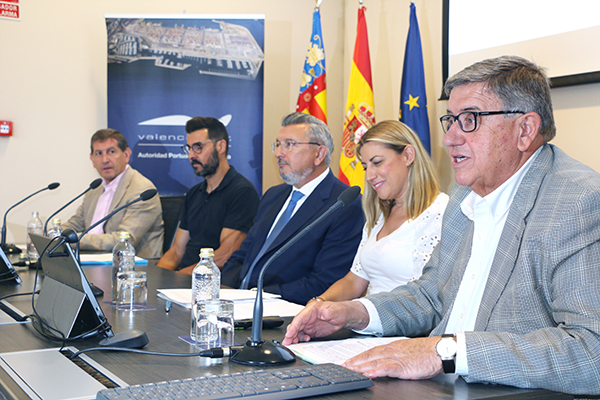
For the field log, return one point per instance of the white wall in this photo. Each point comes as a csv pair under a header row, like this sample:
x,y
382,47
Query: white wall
x,y
53,85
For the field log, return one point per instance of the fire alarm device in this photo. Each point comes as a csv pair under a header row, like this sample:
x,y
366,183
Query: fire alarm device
x,y
5,128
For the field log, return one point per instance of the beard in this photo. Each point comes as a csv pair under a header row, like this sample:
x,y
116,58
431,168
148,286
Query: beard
x,y
210,167
294,178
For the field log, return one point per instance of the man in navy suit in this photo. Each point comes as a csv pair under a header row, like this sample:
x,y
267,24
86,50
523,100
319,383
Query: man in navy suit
x,y
303,150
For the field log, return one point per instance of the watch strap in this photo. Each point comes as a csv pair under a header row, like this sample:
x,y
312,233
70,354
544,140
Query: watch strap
x,y
449,366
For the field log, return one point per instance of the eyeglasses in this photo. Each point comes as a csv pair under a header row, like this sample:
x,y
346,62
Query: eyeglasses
x,y
196,147
467,120
289,145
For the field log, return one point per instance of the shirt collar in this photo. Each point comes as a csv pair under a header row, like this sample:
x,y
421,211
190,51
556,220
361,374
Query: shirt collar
x,y
308,188
499,200
112,185
229,175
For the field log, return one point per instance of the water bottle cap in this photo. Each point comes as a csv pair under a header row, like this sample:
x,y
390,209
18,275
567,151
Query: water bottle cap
x,y
124,235
56,221
207,252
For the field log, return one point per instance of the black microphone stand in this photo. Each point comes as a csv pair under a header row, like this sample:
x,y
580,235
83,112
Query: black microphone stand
x,y
71,237
93,185
259,352
11,248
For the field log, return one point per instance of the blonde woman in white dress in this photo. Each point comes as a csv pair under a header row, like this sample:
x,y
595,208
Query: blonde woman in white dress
x,y
403,207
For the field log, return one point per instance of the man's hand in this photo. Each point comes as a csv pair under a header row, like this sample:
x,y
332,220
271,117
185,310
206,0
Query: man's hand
x,y
324,318
405,359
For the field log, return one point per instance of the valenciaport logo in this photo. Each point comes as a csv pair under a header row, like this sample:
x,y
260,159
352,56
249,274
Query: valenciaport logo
x,y
166,140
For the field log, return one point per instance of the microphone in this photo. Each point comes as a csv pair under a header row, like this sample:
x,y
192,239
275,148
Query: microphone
x,y
70,236
256,351
93,185
11,248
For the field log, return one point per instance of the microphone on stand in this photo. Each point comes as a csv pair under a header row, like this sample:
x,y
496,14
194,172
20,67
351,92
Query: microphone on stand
x,y
93,185
256,351
11,248
70,236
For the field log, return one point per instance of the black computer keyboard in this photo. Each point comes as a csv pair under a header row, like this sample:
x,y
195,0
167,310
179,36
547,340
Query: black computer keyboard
x,y
280,383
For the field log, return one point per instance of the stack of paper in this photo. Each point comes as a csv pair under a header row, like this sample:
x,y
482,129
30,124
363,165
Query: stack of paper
x,y
243,300
337,351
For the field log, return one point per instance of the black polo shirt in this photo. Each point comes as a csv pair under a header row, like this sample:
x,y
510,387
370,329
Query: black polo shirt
x,y
233,204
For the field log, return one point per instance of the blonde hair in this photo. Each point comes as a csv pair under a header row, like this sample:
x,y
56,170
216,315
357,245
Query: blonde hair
x,y
423,184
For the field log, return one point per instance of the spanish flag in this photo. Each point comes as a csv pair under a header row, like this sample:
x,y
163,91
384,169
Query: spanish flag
x,y
313,93
360,110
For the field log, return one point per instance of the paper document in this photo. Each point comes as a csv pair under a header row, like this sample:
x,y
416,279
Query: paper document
x,y
183,297
243,306
271,308
105,259
337,351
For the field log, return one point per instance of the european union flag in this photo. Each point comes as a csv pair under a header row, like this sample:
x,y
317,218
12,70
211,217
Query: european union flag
x,y
413,98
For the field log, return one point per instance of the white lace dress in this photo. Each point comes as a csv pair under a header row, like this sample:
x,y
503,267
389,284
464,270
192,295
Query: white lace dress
x,y
400,256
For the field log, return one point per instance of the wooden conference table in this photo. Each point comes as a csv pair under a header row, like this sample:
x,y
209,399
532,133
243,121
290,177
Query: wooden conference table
x,y
164,328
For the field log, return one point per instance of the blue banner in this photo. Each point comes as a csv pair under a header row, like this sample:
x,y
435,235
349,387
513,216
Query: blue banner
x,y
163,71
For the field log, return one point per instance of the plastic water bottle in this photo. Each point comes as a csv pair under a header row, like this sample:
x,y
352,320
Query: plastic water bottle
x,y
123,260
206,284
34,226
55,229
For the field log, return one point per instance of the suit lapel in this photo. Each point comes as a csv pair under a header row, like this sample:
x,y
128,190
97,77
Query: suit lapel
x,y
121,189
113,222
512,235
91,207
270,216
264,226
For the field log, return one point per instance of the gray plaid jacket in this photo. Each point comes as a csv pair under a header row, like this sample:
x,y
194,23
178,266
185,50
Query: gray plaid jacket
x,y
538,325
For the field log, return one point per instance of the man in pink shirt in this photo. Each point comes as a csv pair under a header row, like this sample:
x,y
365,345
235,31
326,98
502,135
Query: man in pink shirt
x,y
121,184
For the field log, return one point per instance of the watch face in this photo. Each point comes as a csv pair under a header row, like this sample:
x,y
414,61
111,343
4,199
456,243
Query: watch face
x,y
446,348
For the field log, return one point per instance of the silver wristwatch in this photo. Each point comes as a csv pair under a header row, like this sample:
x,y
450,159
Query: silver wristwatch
x,y
446,349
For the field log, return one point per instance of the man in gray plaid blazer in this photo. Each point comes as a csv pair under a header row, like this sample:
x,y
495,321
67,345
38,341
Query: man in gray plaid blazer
x,y
511,294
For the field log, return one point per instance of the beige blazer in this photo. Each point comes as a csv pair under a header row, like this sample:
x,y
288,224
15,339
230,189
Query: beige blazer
x,y
143,220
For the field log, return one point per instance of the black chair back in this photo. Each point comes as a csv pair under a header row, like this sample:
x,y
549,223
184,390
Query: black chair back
x,y
171,210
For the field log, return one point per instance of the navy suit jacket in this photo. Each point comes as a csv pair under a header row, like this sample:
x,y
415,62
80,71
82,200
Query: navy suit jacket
x,y
316,261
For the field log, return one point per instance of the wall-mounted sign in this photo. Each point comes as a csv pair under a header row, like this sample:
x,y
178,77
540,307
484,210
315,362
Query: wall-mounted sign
x,y
10,9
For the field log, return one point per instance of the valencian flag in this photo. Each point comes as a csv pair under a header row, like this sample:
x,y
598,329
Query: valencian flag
x,y
413,100
313,93
360,112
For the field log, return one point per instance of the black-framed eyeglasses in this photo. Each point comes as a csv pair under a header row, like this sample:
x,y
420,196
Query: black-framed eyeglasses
x,y
467,120
196,147
288,145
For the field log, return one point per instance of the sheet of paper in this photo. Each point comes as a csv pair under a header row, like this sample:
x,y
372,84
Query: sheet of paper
x,y
105,259
183,297
337,351
273,305
243,302
271,308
